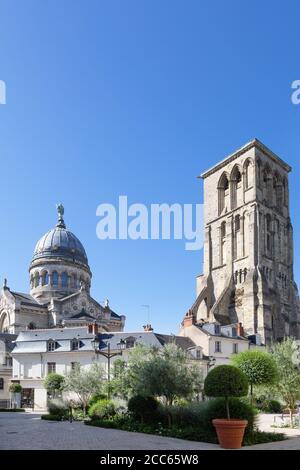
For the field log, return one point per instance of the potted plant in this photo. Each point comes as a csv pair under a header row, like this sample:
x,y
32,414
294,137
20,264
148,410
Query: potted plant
x,y
227,381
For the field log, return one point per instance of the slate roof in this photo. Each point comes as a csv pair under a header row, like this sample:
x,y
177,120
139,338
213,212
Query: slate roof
x,y
8,339
36,340
26,299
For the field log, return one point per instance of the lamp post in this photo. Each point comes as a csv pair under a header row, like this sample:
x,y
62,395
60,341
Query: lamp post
x,y
211,362
108,355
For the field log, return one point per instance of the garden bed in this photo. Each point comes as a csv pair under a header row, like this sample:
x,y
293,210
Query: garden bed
x,y
189,433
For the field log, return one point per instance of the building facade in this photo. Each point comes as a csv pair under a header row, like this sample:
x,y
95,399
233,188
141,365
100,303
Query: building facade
x,y
60,282
40,352
248,250
6,366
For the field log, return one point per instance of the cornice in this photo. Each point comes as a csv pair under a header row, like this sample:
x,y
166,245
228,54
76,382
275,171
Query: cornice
x,y
255,143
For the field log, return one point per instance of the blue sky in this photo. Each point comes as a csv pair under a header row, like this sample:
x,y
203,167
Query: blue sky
x,y
116,97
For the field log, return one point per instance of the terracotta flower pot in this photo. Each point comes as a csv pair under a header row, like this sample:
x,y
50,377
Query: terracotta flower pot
x,y
230,432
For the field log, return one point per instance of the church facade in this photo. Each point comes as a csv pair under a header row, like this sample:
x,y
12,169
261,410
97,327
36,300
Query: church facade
x,y
248,249
60,282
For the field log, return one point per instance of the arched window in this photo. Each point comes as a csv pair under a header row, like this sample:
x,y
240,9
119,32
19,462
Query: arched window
x,y
223,192
36,280
55,278
258,173
268,235
237,238
248,174
236,178
285,191
267,185
45,279
64,280
278,192
223,243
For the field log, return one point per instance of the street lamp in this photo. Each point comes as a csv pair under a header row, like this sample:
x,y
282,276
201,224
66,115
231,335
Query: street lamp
x,y
108,355
211,362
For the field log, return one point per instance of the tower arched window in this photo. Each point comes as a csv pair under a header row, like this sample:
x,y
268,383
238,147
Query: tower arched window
x,y
258,173
267,185
45,278
55,278
236,178
237,240
268,234
223,243
278,192
285,192
248,176
64,279
223,192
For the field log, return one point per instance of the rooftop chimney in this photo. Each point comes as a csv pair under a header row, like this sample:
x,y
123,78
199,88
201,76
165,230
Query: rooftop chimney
x,y
148,328
93,328
240,329
188,319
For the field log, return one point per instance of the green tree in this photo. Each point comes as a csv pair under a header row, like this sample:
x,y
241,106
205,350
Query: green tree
x,y
85,383
288,382
259,367
166,373
53,383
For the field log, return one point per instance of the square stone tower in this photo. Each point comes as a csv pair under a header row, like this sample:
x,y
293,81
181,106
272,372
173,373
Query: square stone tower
x,y
248,249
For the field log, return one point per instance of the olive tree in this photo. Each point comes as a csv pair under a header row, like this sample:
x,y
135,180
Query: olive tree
x,y
85,383
166,373
288,383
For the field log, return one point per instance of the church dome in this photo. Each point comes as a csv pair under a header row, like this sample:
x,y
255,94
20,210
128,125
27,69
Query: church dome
x,y
61,243
59,266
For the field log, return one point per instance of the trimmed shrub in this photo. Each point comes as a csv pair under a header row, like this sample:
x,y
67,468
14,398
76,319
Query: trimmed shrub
x,y
142,407
239,409
15,388
102,409
226,381
58,408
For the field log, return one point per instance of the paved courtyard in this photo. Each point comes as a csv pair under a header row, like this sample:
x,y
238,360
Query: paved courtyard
x,y
27,431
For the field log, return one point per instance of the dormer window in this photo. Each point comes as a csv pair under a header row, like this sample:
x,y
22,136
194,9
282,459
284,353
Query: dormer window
x,y
217,329
234,332
51,346
75,345
130,342
198,354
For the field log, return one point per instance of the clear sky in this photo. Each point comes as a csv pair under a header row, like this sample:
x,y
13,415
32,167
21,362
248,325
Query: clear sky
x,y
136,98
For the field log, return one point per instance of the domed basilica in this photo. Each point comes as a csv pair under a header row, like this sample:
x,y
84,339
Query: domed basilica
x,y
60,282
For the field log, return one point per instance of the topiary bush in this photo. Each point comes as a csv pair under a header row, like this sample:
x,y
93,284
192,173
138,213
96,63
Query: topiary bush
x,y
58,408
239,409
102,409
15,388
226,381
142,407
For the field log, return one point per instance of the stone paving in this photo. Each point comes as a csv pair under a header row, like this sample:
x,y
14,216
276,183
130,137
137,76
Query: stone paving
x,y
27,431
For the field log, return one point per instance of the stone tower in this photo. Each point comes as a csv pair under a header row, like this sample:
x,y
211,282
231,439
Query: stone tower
x,y
248,249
